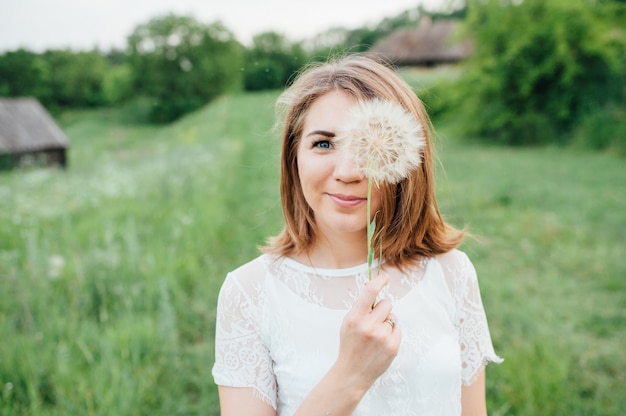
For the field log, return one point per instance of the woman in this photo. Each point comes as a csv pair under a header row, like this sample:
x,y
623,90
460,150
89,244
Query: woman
x,y
302,329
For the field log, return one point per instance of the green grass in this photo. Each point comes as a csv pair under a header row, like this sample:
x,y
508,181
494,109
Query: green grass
x,y
549,228
109,271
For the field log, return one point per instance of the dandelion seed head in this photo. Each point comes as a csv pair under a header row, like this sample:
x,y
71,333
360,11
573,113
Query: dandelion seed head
x,y
386,141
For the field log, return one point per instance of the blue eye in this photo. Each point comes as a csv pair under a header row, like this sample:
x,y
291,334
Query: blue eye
x,y
322,144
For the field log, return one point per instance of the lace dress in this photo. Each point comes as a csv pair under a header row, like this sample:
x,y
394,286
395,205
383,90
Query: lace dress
x,y
278,327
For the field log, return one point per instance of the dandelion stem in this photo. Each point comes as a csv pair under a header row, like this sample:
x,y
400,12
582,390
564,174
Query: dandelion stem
x,y
370,232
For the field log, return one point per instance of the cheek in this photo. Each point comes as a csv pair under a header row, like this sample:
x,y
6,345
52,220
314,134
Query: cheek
x,y
303,168
306,175
313,171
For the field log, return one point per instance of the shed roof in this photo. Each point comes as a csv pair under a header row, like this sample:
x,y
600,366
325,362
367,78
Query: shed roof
x,y
25,126
431,42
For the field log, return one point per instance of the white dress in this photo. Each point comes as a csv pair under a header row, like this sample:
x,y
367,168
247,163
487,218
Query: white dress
x,y
278,327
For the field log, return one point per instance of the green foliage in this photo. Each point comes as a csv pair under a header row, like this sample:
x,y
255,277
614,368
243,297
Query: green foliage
x,y
603,129
76,79
271,61
361,39
538,67
182,64
23,74
63,78
118,84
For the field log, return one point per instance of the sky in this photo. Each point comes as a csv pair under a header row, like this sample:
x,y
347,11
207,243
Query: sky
x,y
38,25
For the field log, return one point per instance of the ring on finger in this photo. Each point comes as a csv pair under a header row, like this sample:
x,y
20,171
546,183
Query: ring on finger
x,y
390,322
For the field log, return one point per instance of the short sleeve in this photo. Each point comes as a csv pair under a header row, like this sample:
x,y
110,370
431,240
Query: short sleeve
x,y
241,358
470,318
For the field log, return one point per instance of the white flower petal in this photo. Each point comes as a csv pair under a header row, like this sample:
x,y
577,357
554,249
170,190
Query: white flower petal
x,y
385,140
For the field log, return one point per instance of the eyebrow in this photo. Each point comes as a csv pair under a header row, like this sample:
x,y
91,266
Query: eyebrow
x,y
321,133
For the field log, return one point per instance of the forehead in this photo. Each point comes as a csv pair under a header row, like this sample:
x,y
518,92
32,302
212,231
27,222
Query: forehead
x,y
328,112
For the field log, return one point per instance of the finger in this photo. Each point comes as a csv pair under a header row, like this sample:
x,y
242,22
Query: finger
x,y
381,310
391,320
368,296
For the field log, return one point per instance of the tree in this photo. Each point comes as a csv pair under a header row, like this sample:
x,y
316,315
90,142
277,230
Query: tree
x,y
23,73
271,61
538,67
183,64
76,79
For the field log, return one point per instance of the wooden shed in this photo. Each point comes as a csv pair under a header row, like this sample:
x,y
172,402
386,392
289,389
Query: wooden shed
x,y
431,43
29,135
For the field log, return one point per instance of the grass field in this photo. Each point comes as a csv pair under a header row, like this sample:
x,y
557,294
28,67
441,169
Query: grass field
x,y
109,271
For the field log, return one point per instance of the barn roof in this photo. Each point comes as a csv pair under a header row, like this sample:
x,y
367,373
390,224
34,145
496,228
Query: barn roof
x,y
429,43
25,126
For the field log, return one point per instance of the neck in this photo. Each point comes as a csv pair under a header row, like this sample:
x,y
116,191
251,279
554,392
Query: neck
x,y
337,252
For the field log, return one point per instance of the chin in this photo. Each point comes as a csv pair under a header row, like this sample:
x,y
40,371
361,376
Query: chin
x,y
347,225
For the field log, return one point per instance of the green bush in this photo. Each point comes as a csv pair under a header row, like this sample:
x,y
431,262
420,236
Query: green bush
x,y
76,79
164,111
23,73
538,68
604,129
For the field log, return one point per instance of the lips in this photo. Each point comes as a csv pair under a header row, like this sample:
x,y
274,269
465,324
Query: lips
x,y
347,201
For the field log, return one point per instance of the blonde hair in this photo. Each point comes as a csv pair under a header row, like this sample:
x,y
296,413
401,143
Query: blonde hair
x,y
412,226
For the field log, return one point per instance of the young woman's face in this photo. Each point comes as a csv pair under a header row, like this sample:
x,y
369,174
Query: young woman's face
x,y
332,187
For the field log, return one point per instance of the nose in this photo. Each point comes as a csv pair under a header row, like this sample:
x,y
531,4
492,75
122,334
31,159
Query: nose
x,y
346,169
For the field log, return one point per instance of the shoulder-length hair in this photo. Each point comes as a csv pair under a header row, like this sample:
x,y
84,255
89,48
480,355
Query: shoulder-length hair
x,y
412,226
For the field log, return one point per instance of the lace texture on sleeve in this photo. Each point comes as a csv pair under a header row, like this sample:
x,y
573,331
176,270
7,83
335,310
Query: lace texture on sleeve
x,y
241,358
470,318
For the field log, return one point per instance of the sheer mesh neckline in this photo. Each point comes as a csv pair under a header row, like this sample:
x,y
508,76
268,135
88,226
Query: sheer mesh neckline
x,y
321,271
338,289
